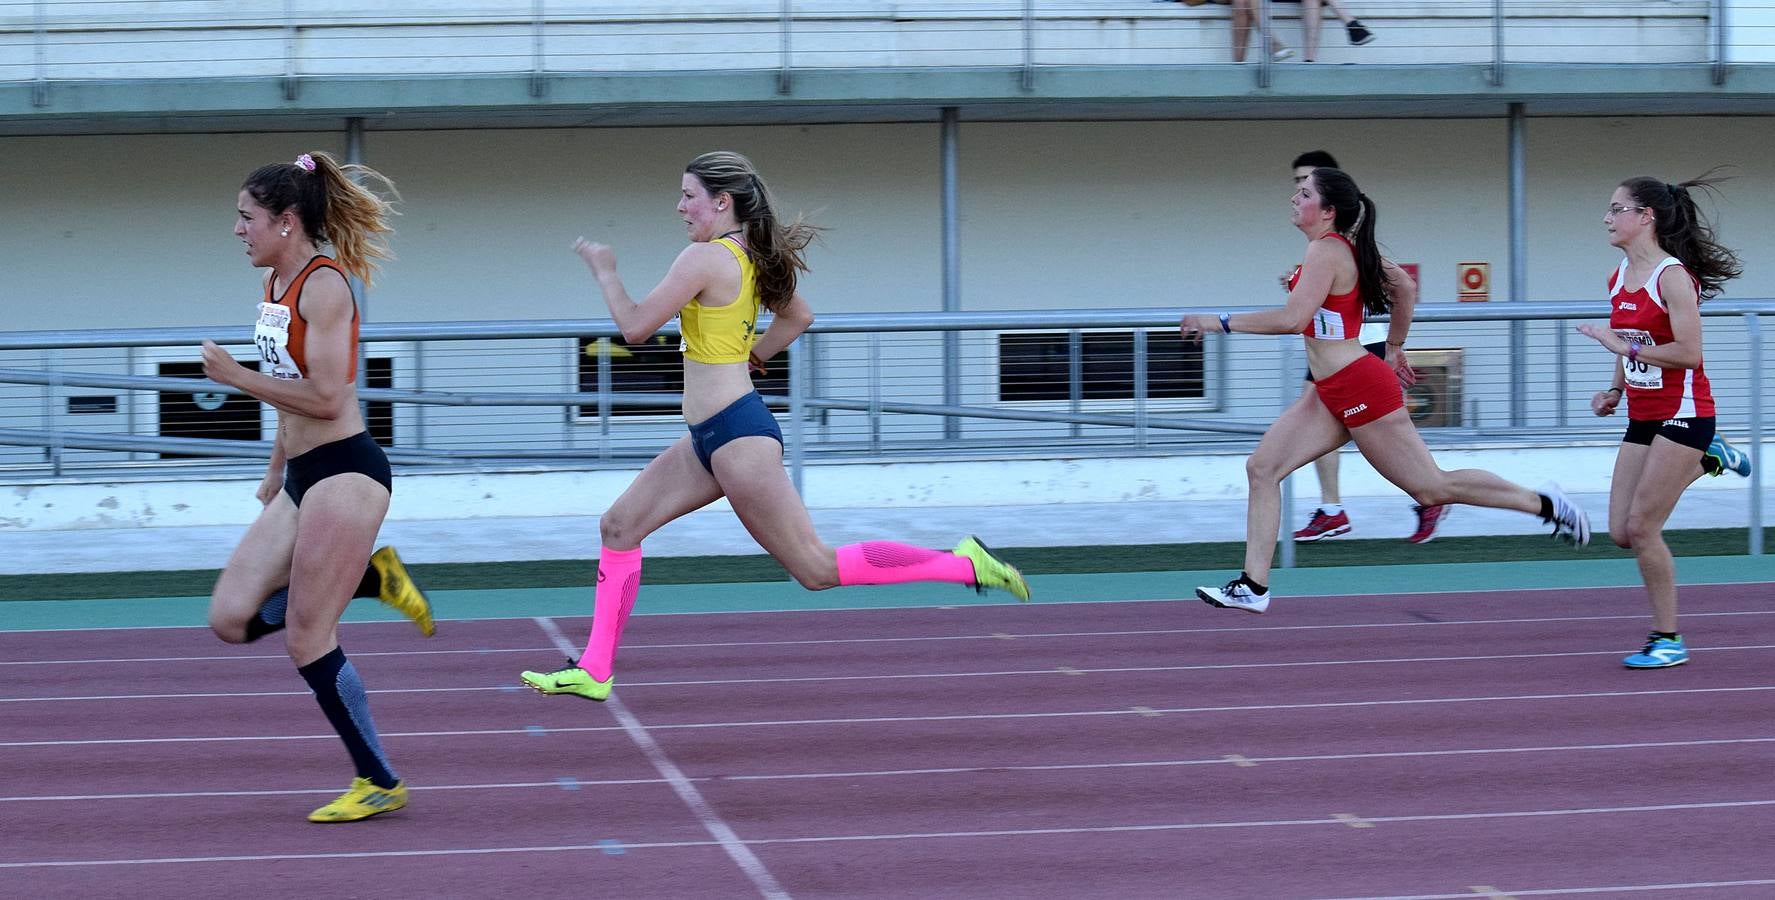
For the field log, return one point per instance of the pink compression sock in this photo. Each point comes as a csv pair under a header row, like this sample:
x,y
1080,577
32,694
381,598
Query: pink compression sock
x,y
619,580
885,562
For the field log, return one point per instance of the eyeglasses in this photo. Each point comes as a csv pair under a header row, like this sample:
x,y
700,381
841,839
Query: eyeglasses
x,y
1614,210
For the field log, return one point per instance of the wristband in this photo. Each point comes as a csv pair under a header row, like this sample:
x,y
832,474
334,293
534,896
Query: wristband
x,y
1633,351
1613,388
1400,345
1226,323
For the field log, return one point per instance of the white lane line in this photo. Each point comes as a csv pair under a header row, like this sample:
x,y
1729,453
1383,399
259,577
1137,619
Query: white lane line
x,y
1570,891
994,636
995,770
1318,821
960,717
1003,673
711,820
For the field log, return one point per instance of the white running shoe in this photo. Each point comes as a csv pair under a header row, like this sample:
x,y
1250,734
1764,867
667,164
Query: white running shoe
x,y
1569,521
1235,595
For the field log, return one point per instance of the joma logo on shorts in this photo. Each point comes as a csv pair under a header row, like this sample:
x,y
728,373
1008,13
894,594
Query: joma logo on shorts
x,y
1359,407
1675,423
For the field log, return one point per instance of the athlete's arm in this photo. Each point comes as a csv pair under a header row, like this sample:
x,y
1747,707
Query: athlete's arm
x,y
1684,305
1316,274
1402,297
323,391
785,327
692,272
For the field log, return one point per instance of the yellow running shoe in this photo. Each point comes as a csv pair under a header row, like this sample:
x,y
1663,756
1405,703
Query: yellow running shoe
x,y
990,571
570,679
399,591
361,802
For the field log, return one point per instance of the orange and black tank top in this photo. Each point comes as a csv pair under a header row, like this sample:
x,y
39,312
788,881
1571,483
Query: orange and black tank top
x,y
1340,318
282,333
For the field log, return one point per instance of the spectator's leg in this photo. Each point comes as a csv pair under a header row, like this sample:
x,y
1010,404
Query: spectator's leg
x,y
1242,15
1309,29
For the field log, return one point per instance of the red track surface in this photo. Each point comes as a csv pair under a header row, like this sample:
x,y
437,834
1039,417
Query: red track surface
x,y
1384,746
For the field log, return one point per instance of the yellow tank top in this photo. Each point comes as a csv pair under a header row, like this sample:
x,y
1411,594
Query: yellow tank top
x,y
723,334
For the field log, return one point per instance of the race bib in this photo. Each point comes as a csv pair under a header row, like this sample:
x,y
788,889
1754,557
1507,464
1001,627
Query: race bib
x,y
1329,326
1640,374
272,335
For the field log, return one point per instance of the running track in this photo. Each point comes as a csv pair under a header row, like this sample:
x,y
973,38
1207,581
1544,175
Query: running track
x,y
1435,745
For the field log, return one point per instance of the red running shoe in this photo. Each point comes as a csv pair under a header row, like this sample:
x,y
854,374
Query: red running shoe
x,y
1429,519
1322,526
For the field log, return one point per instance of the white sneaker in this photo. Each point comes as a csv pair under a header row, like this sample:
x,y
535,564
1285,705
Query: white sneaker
x,y
1282,54
1569,521
1235,595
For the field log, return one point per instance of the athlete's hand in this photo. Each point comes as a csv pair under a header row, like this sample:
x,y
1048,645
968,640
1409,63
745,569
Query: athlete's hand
x,y
268,488
1604,403
1192,327
219,366
1401,366
598,257
1606,337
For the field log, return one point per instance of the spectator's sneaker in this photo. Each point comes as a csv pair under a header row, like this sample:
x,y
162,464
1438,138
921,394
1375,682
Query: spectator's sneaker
x,y
1282,54
1430,518
1322,526
570,679
1569,521
1235,595
990,571
399,591
362,801
1359,33
1659,653
1721,457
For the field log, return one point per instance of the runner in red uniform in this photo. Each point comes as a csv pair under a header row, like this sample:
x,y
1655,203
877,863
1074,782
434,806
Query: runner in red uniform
x,y
1354,394
1669,264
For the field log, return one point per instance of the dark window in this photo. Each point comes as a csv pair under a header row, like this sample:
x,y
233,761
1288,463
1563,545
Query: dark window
x,y
1035,366
205,414
379,414
656,367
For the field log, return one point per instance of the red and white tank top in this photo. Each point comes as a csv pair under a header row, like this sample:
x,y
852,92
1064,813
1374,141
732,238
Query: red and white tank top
x,y
282,333
1340,318
1654,393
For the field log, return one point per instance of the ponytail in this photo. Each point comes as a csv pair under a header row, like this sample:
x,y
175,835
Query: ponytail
x,y
775,248
332,207
1354,217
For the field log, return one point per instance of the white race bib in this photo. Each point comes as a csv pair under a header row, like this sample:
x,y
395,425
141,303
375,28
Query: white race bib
x,y
1640,374
1328,326
272,335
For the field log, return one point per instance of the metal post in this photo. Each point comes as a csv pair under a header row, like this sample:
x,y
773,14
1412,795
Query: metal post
x,y
291,84
604,382
1518,259
40,54
1263,43
1753,329
1289,386
1497,43
874,392
539,86
1717,32
1075,378
1140,389
419,385
52,389
1560,391
784,17
949,138
1028,45
354,155
797,409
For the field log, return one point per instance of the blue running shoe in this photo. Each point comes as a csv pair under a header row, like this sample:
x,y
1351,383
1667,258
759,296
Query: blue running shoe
x,y
1659,653
1721,457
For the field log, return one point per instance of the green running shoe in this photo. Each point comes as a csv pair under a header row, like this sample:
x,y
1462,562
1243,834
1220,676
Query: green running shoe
x,y
990,571
570,679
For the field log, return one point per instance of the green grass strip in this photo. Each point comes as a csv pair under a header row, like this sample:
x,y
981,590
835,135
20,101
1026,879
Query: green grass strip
x,y
1032,560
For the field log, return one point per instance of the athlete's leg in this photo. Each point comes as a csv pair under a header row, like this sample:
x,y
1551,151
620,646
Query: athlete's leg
x,y
1304,432
259,567
1392,444
1669,469
1326,468
336,529
1630,464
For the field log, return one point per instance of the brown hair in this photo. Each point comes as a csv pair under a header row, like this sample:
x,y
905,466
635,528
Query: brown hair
x,y
1683,232
775,248
332,207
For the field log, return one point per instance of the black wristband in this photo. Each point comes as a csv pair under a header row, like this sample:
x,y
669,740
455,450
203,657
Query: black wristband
x,y
1613,388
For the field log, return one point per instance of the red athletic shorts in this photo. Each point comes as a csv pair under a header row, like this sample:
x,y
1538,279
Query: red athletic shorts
x,y
1361,392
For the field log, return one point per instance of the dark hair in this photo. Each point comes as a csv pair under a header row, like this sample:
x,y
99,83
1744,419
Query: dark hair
x,y
332,207
1354,219
1683,232
775,248
1318,159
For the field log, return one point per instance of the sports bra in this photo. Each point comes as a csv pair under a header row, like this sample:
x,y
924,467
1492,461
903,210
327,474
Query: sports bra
x,y
723,334
282,334
1340,317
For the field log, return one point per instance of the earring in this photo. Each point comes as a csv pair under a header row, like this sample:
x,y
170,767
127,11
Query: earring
x,y
284,233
